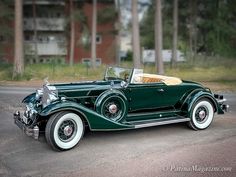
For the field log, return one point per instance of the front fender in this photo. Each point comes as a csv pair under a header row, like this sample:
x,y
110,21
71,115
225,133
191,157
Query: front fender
x,y
95,120
29,99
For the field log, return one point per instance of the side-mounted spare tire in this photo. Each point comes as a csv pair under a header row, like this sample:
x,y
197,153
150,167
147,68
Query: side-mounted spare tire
x,y
112,104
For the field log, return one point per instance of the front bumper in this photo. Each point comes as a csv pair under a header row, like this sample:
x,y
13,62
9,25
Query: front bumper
x,y
29,131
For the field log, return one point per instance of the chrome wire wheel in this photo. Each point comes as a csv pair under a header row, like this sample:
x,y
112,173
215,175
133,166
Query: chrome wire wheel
x,y
112,109
67,130
201,114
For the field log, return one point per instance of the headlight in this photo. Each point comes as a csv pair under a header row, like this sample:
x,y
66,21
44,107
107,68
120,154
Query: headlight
x,y
51,97
39,93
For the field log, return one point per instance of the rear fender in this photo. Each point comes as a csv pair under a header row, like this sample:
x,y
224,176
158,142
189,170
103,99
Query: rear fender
x,y
196,95
95,120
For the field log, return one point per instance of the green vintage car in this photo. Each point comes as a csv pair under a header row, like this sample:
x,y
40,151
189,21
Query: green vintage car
x,y
124,99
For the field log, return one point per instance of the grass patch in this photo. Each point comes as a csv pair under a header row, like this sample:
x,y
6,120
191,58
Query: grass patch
x,y
53,72
205,70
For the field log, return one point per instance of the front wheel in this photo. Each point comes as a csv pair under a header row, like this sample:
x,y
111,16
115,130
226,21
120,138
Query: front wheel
x,y
64,130
201,115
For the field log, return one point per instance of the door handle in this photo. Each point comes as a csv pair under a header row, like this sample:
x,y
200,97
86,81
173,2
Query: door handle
x,y
160,90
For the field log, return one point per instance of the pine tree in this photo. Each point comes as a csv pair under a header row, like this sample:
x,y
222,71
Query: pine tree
x,y
19,52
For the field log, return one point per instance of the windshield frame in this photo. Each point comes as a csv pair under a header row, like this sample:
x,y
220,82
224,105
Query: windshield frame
x,y
117,78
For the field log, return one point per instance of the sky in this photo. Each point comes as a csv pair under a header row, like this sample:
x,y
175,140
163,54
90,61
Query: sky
x,y
126,10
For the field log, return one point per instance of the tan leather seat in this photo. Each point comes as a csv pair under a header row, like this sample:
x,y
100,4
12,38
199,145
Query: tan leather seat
x,y
153,78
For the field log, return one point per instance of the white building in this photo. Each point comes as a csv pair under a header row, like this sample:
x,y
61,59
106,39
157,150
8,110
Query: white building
x,y
148,56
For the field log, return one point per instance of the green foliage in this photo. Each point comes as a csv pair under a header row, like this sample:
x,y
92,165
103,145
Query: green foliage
x,y
147,28
129,56
6,17
106,15
215,21
79,16
217,26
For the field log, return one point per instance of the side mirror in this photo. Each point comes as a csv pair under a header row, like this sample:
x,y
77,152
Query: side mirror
x,y
124,84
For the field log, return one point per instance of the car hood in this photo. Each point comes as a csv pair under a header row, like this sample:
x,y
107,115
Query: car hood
x,y
86,88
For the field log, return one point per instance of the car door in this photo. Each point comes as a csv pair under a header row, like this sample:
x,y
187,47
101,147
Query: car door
x,y
146,96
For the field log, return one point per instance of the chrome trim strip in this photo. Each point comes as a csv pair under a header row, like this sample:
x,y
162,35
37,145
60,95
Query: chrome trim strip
x,y
162,123
152,113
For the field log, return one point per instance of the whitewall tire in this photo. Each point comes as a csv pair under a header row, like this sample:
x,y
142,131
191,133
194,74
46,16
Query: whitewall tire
x,y
202,115
64,130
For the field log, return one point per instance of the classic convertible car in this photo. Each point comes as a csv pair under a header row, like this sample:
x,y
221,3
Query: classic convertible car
x,y
124,99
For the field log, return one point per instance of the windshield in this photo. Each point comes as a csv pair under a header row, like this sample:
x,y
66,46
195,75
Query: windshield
x,y
116,73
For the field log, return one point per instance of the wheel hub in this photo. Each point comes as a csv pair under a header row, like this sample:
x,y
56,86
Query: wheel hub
x,y
202,114
68,130
113,109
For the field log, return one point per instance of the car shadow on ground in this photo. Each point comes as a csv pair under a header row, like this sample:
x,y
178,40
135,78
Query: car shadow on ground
x,y
132,134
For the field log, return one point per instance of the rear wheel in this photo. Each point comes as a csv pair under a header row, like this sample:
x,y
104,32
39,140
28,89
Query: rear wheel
x,y
202,115
64,130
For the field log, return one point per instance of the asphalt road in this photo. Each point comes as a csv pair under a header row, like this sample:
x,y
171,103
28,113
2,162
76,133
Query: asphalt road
x,y
170,150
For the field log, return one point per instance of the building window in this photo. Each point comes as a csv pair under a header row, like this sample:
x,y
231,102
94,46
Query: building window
x,y
87,61
58,15
28,37
98,39
98,61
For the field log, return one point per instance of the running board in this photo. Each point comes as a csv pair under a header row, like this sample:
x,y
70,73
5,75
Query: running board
x,y
151,124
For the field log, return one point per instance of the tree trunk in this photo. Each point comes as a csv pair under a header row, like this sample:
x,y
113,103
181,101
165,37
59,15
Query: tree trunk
x,y
72,33
158,38
135,37
18,49
175,34
94,33
118,36
192,28
35,32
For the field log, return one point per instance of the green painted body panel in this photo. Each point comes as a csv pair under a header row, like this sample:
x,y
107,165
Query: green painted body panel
x,y
84,89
